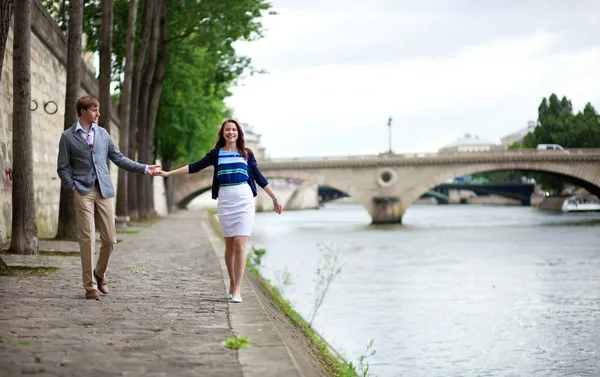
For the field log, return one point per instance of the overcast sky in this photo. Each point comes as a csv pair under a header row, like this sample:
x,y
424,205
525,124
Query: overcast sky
x,y
440,68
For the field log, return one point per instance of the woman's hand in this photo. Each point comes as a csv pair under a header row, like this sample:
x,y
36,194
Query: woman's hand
x,y
277,205
163,173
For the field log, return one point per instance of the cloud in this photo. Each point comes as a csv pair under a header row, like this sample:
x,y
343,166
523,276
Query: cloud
x,y
332,85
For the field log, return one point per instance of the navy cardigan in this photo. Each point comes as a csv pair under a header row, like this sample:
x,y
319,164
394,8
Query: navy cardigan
x,y
212,158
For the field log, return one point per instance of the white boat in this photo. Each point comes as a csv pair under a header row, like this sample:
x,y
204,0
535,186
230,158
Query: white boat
x,y
581,203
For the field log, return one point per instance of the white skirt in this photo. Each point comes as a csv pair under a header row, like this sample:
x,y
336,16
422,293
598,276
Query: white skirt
x,y
235,208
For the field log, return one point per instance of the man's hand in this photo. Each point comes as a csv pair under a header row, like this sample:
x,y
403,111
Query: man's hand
x,y
154,170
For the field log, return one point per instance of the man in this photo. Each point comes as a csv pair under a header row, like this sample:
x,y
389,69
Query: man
x,y
82,166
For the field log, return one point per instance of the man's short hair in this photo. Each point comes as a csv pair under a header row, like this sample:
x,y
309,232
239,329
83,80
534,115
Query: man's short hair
x,y
85,102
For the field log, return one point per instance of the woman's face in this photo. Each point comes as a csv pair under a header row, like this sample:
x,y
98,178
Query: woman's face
x,y
230,132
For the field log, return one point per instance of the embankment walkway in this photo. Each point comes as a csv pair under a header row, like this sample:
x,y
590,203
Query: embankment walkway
x,y
166,313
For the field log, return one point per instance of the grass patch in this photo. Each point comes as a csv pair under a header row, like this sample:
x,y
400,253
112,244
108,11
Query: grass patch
x,y
128,231
144,222
333,365
30,271
236,342
24,343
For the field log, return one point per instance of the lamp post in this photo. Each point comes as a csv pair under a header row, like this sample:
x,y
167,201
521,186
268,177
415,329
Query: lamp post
x,y
390,134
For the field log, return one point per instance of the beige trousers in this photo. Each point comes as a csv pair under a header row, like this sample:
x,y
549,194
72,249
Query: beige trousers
x,y
92,210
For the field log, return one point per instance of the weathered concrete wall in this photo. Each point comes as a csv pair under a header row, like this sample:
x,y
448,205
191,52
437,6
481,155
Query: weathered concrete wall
x,y
48,86
552,203
264,203
305,197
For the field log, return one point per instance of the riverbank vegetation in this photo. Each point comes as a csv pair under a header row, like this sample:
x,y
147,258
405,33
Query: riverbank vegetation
x,y
328,269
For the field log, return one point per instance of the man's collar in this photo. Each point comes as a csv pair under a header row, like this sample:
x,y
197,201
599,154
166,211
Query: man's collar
x,y
79,127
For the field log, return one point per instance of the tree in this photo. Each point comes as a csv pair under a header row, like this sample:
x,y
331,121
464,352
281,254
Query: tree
x,y
153,102
557,124
105,63
125,106
191,107
24,238
142,45
143,181
188,21
6,9
67,227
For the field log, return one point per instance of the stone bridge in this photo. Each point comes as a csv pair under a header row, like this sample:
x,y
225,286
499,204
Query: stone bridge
x,y
386,185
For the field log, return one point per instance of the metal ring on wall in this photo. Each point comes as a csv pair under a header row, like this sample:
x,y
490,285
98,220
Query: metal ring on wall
x,y
46,109
36,105
386,177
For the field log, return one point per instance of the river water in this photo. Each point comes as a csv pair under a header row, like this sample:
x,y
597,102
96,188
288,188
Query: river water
x,y
454,291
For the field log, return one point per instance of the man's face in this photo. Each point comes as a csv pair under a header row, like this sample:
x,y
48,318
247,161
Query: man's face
x,y
91,115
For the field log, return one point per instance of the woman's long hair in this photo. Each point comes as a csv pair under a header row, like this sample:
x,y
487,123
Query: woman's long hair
x,y
240,142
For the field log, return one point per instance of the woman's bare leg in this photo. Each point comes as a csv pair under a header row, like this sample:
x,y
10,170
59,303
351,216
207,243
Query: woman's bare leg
x,y
229,261
239,263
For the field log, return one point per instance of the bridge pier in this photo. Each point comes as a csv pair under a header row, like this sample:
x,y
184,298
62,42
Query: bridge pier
x,y
386,210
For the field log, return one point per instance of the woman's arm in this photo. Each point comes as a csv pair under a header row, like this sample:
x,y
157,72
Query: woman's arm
x,y
258,177
276,205
262,182
195,167
183,170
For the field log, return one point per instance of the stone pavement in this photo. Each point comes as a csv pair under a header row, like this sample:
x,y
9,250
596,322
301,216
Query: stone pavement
x,y
165,315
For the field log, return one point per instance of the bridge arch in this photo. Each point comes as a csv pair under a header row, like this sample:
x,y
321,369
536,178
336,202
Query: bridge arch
x,y
580,177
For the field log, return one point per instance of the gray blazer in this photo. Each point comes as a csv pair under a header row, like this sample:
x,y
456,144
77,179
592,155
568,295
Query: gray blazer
x,y
79,166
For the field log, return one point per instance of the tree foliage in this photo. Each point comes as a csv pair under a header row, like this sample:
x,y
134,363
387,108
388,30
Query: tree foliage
x,y
200,65
556,124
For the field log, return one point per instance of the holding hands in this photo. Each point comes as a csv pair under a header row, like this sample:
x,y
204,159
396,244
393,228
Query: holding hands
x,y
154,170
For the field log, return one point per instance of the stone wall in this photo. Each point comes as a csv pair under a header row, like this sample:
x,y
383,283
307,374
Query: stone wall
x,y
48,86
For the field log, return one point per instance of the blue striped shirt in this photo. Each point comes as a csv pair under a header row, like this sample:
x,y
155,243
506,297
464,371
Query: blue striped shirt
x,y
232,168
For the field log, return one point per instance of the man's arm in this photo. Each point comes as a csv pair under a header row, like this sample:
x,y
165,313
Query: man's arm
x,y
63,164
123,162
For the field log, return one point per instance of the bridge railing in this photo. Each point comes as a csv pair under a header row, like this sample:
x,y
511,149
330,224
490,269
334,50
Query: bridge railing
x,y
384,156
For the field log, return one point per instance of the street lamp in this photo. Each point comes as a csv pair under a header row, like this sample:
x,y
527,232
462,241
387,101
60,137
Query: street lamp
x,y
390,134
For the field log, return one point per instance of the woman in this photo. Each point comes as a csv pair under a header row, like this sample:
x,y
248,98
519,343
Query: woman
x,y
233,184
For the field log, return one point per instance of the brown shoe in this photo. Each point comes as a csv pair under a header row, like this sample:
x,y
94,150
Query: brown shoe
x,y
89,295
102,286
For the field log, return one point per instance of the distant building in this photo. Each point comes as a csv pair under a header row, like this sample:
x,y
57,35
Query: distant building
x,y
519,135
470,143
253,141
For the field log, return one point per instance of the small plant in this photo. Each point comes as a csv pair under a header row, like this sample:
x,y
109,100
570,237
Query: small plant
x,y
24,343
284,280
255,257
140,271
362,370
328,269
236,342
